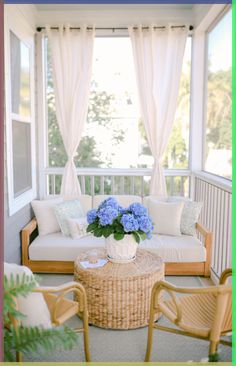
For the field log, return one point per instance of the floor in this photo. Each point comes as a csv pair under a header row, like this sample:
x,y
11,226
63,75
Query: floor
x,y
130,345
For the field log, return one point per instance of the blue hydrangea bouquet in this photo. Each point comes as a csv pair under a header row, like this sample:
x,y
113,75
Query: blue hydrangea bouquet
x,y
112,219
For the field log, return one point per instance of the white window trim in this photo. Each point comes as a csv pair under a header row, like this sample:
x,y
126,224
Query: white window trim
x,y
214,22
198,89
25,34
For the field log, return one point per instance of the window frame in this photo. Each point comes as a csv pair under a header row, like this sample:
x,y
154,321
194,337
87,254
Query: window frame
x,y
213,24
26,35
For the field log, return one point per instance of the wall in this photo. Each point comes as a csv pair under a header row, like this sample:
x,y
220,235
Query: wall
x,y
13,224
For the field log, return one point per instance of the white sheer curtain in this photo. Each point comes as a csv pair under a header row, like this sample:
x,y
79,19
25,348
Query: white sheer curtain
x,y
158,57
72,54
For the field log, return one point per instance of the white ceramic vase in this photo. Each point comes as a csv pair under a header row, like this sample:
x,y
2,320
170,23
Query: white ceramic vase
x,y
121,251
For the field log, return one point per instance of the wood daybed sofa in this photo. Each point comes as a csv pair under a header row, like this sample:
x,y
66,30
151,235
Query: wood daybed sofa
x,y
33,246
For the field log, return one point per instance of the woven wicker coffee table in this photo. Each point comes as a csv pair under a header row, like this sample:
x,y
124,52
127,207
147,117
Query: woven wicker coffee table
x,y
119,294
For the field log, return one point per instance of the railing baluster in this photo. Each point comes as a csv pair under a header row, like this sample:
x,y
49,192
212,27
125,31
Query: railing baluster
x,y
182,186
229,236
112,185
142,186
102,184
83,184
53,184
171,185
92,185
132,185
224,233
122,184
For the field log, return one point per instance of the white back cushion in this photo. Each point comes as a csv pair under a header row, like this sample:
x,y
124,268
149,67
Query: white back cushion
x,y
157,198
33,306
45,215
165,216
123,200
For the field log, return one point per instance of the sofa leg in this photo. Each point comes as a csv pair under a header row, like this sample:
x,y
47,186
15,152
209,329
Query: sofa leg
x,y
207,270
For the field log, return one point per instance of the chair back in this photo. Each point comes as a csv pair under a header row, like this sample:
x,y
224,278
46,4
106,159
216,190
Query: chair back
x,y
226,303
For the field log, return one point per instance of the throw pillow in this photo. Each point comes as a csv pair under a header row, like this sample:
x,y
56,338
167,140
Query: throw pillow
x,y
190,215
45,215
77,227
166,216
68,210
32,306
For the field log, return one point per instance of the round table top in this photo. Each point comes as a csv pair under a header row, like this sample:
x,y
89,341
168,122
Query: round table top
x,y
144,264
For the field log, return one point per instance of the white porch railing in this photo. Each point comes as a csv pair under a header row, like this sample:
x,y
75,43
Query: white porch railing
x,y
216,215
118,181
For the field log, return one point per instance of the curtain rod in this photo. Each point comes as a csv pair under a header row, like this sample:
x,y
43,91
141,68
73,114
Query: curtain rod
x,y
39,29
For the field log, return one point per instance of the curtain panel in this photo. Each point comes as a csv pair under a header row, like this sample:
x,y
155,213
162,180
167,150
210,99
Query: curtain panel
x,y
72,55
158,58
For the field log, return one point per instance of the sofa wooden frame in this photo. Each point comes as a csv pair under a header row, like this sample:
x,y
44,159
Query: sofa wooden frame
x,y
177,268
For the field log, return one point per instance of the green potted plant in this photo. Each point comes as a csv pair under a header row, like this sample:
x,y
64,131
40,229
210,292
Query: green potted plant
x,y
28,340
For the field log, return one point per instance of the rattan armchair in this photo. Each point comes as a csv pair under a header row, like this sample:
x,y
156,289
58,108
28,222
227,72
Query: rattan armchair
x,y
205,313
62,309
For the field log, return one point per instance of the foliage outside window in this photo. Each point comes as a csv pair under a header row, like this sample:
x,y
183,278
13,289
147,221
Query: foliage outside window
x,y
114,113
218,134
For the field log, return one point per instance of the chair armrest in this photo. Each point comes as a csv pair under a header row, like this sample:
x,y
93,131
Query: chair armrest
x,y
202,230
58,289
60,293
207,235
224,275
25,239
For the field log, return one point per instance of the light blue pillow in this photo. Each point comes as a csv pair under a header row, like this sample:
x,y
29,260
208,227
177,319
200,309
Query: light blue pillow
x,y
68,210
190,215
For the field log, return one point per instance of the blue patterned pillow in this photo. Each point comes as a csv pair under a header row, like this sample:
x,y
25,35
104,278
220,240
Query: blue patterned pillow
x,y
68,210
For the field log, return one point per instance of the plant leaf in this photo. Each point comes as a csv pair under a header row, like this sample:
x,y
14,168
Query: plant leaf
x,y
119,236
136,236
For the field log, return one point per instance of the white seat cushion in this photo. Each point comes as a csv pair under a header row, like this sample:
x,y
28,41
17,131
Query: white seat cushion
x,y
182,248
57,247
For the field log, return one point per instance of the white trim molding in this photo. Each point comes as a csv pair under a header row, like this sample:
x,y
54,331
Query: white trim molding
x,y
15,22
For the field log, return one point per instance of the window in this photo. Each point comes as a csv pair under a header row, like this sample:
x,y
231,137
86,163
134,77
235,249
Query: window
x,y
20,122
218,135
114,113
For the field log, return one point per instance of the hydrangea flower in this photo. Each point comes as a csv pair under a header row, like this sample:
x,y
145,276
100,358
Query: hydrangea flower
x,y
109,202
137,209
91,216
122,210
129,223
121,220
107,215
145,224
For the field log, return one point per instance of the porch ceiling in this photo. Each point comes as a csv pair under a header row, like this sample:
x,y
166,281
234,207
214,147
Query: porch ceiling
x,y
69,7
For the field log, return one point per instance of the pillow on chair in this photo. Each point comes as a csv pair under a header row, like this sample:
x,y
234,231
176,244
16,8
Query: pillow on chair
x,y
45,215
166,216
68,210
33,306
190,214
77,227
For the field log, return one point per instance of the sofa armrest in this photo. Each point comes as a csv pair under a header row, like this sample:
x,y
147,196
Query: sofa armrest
x,y
207,235
25,239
